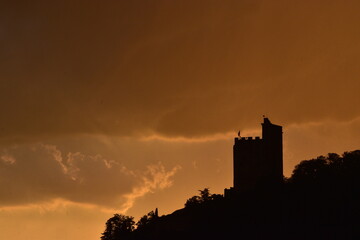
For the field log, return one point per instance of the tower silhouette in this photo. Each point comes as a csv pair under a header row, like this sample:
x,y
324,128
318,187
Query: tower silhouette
x,y
258,162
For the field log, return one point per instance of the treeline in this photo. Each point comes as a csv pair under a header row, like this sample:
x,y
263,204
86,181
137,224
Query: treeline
x,y
120,226
321,200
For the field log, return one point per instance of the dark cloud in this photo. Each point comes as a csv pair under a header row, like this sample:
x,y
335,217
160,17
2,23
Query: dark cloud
x,y
118,173
175,68
113,172
39,173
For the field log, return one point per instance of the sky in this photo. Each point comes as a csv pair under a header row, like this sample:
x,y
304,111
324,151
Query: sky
x,y
127,106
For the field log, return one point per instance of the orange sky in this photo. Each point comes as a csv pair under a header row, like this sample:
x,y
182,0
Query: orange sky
x,y
119,106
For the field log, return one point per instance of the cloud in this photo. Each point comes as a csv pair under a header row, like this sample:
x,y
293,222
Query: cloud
x,y
154,178
176,70
8,159
118,173
42,173
114,173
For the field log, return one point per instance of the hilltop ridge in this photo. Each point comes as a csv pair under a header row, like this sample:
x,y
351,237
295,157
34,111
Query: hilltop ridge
x,y
319,201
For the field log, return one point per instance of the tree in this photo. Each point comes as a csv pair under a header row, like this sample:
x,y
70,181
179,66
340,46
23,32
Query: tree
x,y
193,201
332,170
203,197
310,171
146,219
117,227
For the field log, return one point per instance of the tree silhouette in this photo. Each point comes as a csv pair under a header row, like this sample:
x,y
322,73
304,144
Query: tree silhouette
x,y
117,227
310,171
203,197
332,170
146,219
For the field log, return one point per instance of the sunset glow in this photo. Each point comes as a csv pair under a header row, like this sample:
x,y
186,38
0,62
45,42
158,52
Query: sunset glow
x,y
127,106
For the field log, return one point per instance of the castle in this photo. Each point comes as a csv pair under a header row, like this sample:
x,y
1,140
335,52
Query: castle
x,y
258,162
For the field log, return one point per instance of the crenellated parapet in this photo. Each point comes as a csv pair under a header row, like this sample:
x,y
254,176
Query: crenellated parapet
x,y
242,139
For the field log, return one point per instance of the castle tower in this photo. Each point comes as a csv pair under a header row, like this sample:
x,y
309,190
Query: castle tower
x,y
258,162
273,153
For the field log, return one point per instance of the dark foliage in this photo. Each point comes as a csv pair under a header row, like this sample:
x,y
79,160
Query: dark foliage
x,y
322,198
332,171
118,227
204,197
146,219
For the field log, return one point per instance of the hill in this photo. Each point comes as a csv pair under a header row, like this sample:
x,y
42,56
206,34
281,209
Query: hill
x,y
321,200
